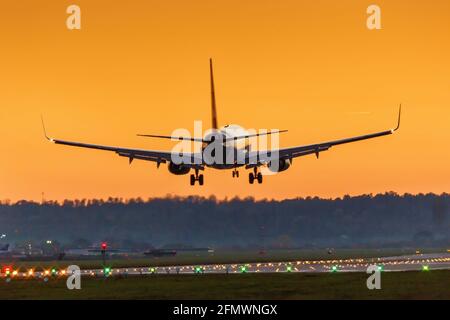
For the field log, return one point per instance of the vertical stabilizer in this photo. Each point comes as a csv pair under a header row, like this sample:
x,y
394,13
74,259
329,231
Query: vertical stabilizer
x,y
213,98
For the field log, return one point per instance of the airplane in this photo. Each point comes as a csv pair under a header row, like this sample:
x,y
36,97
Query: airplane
x,y
227,138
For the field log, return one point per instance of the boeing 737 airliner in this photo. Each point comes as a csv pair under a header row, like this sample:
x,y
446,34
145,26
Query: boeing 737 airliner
x,y
227,136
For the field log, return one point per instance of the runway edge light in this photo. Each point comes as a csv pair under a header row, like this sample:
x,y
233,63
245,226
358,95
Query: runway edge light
x,y
107,271
198,270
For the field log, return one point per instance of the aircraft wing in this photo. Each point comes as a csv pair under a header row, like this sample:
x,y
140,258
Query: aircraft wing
x,y
255,158
192,160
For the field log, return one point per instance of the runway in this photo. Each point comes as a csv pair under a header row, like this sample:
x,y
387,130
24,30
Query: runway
x,y
388,264
420,262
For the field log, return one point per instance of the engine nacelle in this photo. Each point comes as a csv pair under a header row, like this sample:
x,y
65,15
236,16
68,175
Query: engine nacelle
x,y
283,164
178,169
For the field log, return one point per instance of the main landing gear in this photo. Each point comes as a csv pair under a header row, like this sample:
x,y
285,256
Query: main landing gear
x,y
255,175
235,173
196,177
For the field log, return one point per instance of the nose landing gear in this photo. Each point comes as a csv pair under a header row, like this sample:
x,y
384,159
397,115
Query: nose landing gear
x,y
235,173
196,177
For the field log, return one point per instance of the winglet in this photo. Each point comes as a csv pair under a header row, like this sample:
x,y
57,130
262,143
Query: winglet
x,y
45,132
399,116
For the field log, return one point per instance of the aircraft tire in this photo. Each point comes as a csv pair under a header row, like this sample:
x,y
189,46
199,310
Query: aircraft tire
x,y
260,178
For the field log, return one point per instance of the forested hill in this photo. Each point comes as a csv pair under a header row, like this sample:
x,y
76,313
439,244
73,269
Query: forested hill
x,y
381,220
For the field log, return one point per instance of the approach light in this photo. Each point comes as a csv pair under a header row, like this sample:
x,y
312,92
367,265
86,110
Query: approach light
x,y
63,272
30,272
14,273
46,272
104,245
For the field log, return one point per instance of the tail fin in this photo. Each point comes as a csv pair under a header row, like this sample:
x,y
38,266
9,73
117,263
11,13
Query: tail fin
x,y
213,98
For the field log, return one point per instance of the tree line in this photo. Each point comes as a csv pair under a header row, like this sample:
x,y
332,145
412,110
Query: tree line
x,y
368,220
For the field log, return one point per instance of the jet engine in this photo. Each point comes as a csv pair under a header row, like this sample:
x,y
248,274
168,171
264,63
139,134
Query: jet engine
x,y
283,164
178,169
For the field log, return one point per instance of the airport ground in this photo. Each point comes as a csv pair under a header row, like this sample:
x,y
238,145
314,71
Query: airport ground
x,y
315,281
219,257
394,285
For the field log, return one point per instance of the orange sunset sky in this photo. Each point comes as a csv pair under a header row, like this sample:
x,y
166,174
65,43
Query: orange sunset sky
x,y
311,67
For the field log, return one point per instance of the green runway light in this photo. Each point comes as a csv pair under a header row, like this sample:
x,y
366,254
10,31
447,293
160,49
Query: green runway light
x,y
107,271
289,268
53,271
334,269
198,270
243,269
152,270
425,268
380,268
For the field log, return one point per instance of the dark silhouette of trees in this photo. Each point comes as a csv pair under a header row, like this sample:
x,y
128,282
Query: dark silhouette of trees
x,y
380,220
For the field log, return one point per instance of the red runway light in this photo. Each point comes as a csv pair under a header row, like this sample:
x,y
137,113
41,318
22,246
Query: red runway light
x,y
7,270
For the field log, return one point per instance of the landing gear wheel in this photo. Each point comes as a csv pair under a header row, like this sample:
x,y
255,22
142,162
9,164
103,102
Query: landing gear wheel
x,y
251,177
196,177
237,174
259,177
233,174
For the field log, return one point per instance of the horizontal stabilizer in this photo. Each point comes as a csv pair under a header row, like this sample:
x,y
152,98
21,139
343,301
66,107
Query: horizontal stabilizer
x,y
255,135
171,138
225,139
